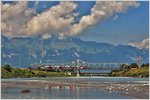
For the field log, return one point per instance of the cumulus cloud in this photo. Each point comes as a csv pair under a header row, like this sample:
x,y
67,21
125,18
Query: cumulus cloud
x,y
18,19
53,21
142,44
14,17
100,11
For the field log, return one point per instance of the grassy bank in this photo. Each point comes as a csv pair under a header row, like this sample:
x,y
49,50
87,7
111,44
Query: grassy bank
x,y
18,72
134,72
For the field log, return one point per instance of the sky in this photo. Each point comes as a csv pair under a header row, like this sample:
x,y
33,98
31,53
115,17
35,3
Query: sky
x,y
130,26
110,22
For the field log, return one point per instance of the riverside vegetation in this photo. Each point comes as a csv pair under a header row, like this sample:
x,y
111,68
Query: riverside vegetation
x,y
125,71
132,71
9,72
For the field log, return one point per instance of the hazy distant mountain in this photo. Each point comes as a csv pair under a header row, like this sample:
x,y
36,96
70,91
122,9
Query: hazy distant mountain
x,y
21,52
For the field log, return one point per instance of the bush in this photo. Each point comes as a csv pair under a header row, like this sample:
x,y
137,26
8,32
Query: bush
x,y
124,66
145,65
7,67
134,65
27,74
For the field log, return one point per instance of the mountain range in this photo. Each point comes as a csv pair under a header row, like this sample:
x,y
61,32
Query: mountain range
x,y
24,51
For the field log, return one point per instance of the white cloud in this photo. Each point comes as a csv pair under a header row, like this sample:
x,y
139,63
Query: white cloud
x,y
52,21
142,44
18,19
14,17
100,11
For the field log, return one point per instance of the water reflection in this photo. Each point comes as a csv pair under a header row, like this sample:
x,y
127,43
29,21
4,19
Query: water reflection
x,y
58,92
67,91
60,87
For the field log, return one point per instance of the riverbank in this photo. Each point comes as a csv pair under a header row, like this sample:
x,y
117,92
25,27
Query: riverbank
x,y
134,72
11,72
20,72
133,89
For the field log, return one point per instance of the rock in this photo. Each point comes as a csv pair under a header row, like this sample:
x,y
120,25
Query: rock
x,y
127,89
25,91
140,76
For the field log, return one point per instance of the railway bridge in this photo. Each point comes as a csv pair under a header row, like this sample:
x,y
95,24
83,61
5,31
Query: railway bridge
x,y
79,67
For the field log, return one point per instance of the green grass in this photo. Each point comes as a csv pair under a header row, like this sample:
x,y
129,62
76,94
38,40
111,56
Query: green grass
x,y
17,72
135,72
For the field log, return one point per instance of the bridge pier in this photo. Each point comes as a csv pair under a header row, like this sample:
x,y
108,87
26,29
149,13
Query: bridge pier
x,y
78,71
78,68
78,74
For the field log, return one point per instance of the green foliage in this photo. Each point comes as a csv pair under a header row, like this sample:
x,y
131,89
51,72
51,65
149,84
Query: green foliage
x,y
124,66
142,65
134,65
145,65
136,72
18,72
7,67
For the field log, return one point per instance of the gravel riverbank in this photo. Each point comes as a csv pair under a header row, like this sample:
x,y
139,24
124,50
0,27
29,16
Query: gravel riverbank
x,y
134,89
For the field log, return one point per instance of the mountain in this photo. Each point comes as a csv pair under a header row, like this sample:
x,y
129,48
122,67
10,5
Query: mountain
x,y
24,51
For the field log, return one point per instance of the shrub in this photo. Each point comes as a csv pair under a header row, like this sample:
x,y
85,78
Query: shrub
x,y
7,67
143,65
124,66
134,65
147,65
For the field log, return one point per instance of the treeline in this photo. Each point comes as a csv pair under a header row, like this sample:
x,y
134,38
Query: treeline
x,y
10,72
132,70
133,65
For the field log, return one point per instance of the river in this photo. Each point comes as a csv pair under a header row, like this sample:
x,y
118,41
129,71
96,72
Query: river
x,y
45,90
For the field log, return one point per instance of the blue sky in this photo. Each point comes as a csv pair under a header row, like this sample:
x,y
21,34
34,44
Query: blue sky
x,y
129,26
120,28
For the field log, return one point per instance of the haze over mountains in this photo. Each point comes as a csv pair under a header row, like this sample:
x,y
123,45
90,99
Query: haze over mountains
x,y
21,52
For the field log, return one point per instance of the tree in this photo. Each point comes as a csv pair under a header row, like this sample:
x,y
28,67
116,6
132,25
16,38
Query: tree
x,y
134,65
7,67
145,65
124,66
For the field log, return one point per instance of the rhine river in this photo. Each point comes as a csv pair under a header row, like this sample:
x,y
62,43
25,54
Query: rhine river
x,y
75,88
